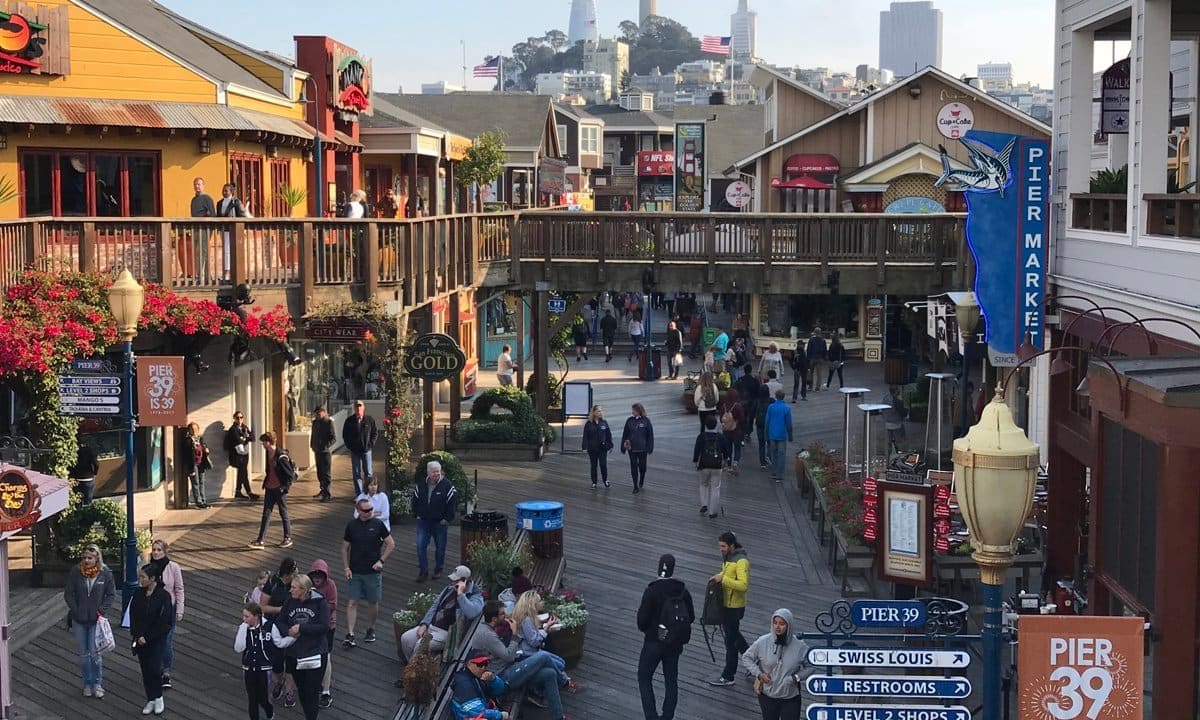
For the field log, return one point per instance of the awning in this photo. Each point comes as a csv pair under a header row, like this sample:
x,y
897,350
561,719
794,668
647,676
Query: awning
x,y
811,164
150,115
805,182
341,141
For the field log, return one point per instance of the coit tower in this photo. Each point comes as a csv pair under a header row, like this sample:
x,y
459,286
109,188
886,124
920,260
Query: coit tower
x,y
583,22
646,8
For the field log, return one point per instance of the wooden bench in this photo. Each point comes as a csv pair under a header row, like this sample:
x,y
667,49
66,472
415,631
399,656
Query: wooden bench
x,y
545,573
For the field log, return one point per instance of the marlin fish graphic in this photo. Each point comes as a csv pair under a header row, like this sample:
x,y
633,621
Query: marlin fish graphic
x,y
990,172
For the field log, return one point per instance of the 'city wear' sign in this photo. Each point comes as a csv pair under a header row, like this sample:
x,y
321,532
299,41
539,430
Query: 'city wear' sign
x,y
336,330
1008,211
162,397
899,686
889,657
434,356
689,167
19,501
1079,667
888,614
887,712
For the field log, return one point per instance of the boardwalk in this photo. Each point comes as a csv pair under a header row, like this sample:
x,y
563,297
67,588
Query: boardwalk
x,y
613,539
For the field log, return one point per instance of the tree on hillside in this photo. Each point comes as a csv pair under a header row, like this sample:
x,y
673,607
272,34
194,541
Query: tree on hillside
x,y
629,30
483,163
662,43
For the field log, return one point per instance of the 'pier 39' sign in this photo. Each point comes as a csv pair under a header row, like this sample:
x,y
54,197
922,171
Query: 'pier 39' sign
x,y
1079,667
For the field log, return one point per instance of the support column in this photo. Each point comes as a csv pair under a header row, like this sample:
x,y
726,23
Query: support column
x,y
541,351
412,185
1176,584
1149,104
456,383
1077,106
1194,116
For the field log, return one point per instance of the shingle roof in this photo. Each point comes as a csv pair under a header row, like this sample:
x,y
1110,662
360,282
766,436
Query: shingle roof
x,y
616,117
156,24
521,117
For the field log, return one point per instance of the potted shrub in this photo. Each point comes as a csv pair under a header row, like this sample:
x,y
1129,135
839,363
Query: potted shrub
x,y
289,249
414,609
492,563
571,610
504,425
101,523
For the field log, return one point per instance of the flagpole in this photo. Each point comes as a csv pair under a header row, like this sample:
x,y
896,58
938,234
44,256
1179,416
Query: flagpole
x,y
500,65
464,65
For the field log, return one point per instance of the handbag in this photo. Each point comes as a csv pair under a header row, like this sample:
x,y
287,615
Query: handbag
x,y
241,449
312,662
103,635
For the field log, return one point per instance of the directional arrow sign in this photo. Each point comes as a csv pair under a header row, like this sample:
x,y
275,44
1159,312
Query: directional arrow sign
x,y
90,409
889,657
888,613
93,380
887,712
953,688
90,391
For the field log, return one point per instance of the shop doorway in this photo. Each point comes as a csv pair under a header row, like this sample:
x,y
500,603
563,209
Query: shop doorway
x,y
249,387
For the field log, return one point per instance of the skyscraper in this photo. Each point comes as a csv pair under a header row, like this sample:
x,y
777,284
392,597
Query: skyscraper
x,y
910,37
583,22
744,32
646,8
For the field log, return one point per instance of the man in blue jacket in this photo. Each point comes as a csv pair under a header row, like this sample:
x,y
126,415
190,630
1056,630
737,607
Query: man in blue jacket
x,y
473,687
779,433
459,600
434,504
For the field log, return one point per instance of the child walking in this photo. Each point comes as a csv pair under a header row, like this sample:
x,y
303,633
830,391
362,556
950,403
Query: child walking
x,y
252,642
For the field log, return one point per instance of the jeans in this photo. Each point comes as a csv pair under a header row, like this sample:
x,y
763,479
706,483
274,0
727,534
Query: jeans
x,y
536,672
197,481
710,489
599,459
242,464
86,488
168,658
324,471
652,654
778,453
91,663
637,468
505,379
735,644
800,384
835,368
272,498
257,694
308,685
360,468
777,709
637,345
818,369
762,445
735,444
427,531
150,658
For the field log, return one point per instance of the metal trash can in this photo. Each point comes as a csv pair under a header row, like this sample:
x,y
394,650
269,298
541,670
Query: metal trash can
x,y
643,374
481,525
543,520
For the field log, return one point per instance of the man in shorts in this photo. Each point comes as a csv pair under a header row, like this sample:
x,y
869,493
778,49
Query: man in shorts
x,y
366,545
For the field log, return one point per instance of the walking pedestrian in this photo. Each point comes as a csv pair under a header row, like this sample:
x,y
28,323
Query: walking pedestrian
x,y
598,443
638,441
322,583
276,593
280,475
772,359
608,333
779,434
817,354
195,460
89,593
773,384
321,440
381,505
733,425
238,441
172,581
300,630
721,341
710,455
83,472
706,397
460,599
435,502
760,422
366,544
253,642
579,334
665,618
359,433
747,387
674,347
635,334
837,361
695,332
799,364
505,366
775,660
734,578
150,614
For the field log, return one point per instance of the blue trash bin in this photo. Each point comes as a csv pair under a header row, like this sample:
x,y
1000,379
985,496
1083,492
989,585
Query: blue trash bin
x,y
543,520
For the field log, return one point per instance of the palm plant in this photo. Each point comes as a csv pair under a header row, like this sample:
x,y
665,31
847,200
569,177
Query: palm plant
x,y
8,190
293,197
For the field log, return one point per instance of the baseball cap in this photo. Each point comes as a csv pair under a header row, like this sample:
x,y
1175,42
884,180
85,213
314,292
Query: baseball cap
x,y
479,657
462,572
358,403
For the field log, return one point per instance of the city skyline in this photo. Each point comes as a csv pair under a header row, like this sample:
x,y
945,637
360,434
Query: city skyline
x,y
1020,32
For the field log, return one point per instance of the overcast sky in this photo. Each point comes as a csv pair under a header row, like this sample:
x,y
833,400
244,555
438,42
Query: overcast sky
x,y
416,41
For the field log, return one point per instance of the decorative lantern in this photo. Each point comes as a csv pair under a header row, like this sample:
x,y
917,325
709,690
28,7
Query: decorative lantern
x,y
125,299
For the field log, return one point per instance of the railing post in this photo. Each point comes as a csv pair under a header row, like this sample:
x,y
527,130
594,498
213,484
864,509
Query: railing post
x,y
767,248
87,248
473,247
601,251
881,252
371,257
35,243
822,246
656,254
237,263
546,232
516,243
166,254
939,251
307,267
710,248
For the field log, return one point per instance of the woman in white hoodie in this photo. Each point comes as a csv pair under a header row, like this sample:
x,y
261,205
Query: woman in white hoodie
x,y
776,661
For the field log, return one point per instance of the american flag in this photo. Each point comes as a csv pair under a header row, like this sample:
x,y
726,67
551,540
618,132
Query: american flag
x,y
491,68
715,44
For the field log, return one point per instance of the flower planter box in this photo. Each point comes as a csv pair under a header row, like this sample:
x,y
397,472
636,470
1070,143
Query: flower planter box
x,y
568,644
858,556
497,451
554,415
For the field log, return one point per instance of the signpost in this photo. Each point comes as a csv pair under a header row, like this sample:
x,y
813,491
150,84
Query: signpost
x,y
889,657
887,712
89,395
888,613
901,686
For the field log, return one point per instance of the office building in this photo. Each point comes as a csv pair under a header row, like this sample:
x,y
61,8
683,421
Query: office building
x,y
609,56
583,22
995,76
595,88
743,26
910,37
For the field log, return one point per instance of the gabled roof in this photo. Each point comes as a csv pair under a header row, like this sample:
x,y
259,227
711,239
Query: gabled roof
x,y
792,82
388,115
575,112
980,95
160,28
913,157
521,117
617,118
273,59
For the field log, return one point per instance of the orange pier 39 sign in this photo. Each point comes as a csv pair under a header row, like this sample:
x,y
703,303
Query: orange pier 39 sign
x,y
1080,668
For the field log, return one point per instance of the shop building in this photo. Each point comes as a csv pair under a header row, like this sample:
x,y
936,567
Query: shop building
x,y
627,133
731,132
581,139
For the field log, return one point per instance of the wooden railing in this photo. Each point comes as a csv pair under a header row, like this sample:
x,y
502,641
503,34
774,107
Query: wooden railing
x,y
1176,215
1104,212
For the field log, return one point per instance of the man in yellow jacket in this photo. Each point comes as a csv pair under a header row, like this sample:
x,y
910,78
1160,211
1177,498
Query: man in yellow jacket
x,y
735,582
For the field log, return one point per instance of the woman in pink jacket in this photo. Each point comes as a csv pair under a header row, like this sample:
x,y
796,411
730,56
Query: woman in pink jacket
x,y
172,582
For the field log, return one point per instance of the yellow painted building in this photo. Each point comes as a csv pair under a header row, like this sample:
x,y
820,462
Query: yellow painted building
x,y
114,107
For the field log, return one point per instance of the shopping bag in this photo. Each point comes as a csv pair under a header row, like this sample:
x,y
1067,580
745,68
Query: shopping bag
x,y
103,635
125,618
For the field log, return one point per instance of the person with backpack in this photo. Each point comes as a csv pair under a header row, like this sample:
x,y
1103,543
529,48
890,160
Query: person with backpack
x,y
706,397
710,455
280,475
665,618
734,578
597,443
799,364
733,424
775,660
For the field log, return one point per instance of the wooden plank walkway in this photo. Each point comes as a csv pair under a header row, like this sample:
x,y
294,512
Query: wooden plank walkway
x,y
613,540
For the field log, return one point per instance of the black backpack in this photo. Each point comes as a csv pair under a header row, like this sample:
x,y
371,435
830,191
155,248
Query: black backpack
x,y
674,621
285,468
710,455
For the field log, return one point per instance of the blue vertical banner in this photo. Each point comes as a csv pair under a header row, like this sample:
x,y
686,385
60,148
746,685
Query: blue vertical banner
x,y
1007,190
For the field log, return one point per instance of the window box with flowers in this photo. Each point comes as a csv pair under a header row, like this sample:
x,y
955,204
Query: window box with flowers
x,y
841,501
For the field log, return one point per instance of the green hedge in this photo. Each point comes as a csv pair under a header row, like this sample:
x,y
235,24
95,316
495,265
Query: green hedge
x,y
520,425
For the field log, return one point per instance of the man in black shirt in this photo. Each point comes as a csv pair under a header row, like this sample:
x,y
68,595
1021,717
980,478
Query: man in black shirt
x,y
359,432
608,333
366,544
321,441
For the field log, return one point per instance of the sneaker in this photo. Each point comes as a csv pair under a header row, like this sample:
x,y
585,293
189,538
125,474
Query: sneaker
x,y
712,516
98,691
349,642
438,571
289,698
149,708
721,682
256,545
593,486
159,706
87,690
536,701
778,480
606,484
166,681
422,576
703,509
287,543
326,699
370,636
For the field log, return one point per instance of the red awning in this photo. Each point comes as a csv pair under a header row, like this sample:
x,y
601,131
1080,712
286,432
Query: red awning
x,y
809,183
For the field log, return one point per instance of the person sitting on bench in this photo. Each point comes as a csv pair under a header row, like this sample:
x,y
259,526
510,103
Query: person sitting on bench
x,y
459,600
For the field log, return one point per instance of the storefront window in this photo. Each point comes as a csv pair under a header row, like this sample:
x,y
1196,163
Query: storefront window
x,y
37,171
109,193
72,185
143,185
110,184
333,375
796,315
502,316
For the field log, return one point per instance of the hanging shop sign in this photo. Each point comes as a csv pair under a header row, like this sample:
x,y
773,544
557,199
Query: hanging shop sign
x,y
689,167
353,83
34,40
336,330
1007,189
811,164
658,163
1080,666
552,176
434,356
954,120
905,533
161,392
1114,99
19,501
738,194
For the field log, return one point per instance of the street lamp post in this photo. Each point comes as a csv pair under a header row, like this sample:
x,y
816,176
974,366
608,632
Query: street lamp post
x,y
966,313
125,299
